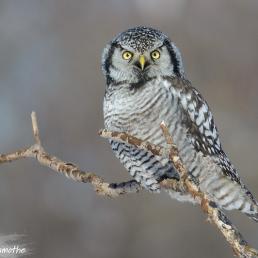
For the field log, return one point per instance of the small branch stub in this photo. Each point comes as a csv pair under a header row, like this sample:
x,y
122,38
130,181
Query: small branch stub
x,y
35,128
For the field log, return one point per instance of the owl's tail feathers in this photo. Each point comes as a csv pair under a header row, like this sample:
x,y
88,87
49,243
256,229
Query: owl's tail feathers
x,y
253,216
250,206
252,213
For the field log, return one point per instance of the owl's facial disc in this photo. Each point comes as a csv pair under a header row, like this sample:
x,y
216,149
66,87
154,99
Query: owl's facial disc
x,y
138,67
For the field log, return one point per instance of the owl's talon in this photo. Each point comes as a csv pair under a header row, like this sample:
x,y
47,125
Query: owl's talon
x,y
113,185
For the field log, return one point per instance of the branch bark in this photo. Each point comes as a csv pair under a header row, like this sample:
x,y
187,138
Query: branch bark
x,y
70,170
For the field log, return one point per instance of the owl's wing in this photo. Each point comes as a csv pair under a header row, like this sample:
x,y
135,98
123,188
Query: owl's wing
x,y
201,126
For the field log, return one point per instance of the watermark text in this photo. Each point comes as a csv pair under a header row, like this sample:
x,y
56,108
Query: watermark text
x,y
12,250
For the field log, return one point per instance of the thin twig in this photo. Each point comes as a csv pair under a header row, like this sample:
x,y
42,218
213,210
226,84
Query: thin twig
x,y
35,128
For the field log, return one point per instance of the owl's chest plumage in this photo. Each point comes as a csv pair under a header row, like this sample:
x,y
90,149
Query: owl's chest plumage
x,y
140,111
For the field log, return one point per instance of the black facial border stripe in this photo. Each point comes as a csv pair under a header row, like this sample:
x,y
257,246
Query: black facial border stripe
x,y
108,63
173,56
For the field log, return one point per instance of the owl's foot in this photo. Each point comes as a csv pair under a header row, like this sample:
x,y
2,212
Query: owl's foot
x,y
123,184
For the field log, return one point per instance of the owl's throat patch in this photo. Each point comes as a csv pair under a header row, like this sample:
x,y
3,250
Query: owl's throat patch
x,y
140,82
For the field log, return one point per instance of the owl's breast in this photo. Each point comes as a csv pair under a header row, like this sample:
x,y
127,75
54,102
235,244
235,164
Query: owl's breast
x,y
140,112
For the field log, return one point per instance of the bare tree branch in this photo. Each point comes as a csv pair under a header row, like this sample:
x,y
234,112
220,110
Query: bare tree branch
x,y
68,169
215,215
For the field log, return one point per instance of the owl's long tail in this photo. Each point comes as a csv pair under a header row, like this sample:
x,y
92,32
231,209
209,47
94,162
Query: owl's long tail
x,y
253,214
251,207
255,217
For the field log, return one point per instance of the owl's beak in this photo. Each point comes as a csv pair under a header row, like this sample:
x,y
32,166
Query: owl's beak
x,y
142,61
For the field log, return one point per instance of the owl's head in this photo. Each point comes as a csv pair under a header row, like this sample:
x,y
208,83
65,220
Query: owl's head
x,y
139,54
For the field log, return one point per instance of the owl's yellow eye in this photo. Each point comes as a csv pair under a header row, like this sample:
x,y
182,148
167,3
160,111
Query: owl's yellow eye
x,y
155,54
127,55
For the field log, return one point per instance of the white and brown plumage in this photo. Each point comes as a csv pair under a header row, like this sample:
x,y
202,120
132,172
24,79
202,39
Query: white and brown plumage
x,y
145,86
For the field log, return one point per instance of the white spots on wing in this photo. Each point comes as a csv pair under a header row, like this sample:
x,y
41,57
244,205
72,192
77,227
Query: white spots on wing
x,y
191,114
208,133
211,141
214,133
184,101
201,112
218,143
212,149
201,130
204,146
204,108
191,107
206,124
199,119
169,87
209,150
202,117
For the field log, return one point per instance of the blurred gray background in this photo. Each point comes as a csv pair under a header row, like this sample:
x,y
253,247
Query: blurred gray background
x,y
50,62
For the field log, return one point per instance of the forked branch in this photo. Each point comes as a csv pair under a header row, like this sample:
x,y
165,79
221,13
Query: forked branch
x,y
215,215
